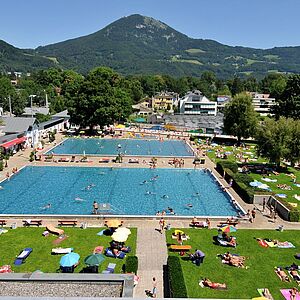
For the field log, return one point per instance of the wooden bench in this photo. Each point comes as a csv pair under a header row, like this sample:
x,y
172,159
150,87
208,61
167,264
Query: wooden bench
x,y
2,222
32,223
67,222
181,248
233,223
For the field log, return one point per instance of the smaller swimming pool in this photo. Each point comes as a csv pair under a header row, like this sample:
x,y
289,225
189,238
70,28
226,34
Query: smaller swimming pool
x,y
132,147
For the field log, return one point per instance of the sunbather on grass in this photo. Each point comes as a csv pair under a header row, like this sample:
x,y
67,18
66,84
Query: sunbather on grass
x,y
213,285
282,275
233,260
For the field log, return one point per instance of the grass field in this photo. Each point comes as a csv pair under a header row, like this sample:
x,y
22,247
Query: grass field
x,y
241,283
82,240
282,178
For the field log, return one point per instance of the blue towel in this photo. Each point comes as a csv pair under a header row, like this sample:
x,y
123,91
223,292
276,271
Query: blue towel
x,y
101,232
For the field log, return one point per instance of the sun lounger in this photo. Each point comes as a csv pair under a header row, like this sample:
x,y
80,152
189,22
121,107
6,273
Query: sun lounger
x,y
265,293
104,160
61,250
63,159
29,222
22,256
286,294
110,269
54,230
198,224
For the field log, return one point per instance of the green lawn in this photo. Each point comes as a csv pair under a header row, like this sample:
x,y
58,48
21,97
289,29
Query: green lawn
x,y
283,178
242,283
82,240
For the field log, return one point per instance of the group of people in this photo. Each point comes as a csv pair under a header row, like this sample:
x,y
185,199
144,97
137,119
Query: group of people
x,y
233,260
176,162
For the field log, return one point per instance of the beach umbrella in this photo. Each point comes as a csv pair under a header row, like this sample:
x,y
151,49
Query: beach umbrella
x,y
119,237
123,230
120,126
113,223
69,259
228,228
94,259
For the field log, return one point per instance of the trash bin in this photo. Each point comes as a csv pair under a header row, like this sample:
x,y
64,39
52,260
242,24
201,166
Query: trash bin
x,y
168,227
280,228
13,226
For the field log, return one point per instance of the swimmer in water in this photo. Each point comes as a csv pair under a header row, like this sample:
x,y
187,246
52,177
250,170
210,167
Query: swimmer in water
x,y
150,193
47,206
79,199
165,196
143,182
189,205
196,194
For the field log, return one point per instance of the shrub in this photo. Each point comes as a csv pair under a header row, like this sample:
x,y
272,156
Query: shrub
x,y
176,279
225,164
244,178
1,165
294,215
131,265
243,191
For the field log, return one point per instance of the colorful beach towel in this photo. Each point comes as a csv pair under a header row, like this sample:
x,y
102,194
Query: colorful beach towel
x,y
285,245
286,294
265,293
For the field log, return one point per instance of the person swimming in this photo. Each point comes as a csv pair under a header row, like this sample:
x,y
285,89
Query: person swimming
x,y
47,206
196,194
189,205
165,196
79,199
150,193
144,182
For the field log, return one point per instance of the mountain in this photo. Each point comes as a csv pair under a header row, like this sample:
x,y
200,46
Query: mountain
x,y
14,59
142,45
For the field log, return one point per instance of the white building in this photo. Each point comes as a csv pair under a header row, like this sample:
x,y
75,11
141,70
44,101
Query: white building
x,y
194,103
262,103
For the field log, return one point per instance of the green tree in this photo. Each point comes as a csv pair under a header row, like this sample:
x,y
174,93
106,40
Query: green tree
x,y
289,103
240,119
273,138
293,154
100,100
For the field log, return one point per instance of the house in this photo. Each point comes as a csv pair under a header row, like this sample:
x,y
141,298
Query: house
x,y
142,109
195,103
222,100
164,101
25,129
263,103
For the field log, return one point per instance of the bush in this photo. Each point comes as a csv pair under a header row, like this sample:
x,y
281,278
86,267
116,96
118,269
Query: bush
x,y
1,165
294,215
245,192
225,164
131,265
176,279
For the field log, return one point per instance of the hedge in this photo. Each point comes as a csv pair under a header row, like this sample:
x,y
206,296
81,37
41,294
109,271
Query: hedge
x,y
294,215
1,165
176,279
225,164
131,264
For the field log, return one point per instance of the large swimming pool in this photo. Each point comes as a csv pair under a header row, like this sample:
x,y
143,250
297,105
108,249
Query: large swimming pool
x,y
139,147
72,190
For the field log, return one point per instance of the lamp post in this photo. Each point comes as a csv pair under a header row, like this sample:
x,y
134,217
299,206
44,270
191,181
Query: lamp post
x,y
31,98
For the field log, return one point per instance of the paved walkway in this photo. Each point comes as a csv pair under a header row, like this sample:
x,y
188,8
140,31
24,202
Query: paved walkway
x,y
152,255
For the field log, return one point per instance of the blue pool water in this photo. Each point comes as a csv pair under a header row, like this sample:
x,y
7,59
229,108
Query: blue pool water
x,y
72,190
138,147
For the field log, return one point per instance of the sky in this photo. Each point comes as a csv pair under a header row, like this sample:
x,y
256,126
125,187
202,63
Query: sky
x,y
249,23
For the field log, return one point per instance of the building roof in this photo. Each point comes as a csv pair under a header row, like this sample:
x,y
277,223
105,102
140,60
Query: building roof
x,y
195,121
28,111
50,123
62,114
17,124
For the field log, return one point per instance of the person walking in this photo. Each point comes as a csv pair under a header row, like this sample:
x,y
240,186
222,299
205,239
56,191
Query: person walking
x,y
95,208
154,287
264,204
162,224
253,214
